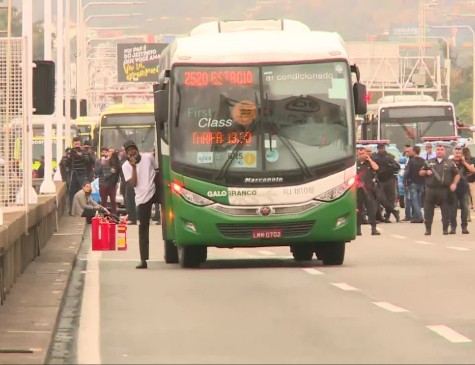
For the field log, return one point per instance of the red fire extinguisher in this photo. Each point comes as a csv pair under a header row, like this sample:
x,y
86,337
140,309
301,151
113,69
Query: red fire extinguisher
x,y
122,235
96,234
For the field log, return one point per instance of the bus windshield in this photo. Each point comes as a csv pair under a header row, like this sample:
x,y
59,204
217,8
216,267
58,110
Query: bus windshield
x,y
269,119
139,127
406,125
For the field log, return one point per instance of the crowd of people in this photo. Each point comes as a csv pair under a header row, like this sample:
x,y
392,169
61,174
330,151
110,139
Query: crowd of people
x,y
430,180
79,167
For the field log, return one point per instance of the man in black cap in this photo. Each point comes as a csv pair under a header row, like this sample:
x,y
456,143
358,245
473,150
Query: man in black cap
x,y
386,181
139,172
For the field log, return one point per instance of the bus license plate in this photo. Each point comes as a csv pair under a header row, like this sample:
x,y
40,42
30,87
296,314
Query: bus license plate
x,y
266,233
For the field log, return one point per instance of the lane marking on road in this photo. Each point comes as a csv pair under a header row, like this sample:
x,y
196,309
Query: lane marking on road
x,y
344,286
449,334
19,331
425,243
266,253
458,248
390,307
398,236
89,351
313,271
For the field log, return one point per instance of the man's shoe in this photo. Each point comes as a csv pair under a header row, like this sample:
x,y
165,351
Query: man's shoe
x,y
387,220
465,231
358,231
427,232
375,232
142,265
452,231
445,232
131,223
417,221
406,220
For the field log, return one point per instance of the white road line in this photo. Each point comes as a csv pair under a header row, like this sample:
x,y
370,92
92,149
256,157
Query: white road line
x,y
344,286
390,307
19,331
89,351
458,248
425,242
313,271
449,334
399,237
266,253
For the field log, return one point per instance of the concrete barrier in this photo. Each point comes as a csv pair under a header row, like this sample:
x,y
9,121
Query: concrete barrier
x,y
23,235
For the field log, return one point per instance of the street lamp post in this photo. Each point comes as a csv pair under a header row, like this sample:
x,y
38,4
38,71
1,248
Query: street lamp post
x,y
473,58
80,63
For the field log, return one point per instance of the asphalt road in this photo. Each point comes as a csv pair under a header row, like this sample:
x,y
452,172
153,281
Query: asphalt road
x,y
401,297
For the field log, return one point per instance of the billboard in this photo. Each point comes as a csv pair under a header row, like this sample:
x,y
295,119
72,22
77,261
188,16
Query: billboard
x,y
138,62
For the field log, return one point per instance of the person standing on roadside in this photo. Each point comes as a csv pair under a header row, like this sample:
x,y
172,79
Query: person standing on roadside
x,y
415,184
441,178
428,153
386,181
461,193
365,193
108,171
139,172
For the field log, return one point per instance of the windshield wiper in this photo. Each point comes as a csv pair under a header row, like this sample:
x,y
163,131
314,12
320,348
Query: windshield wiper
x,y
178,105
300,161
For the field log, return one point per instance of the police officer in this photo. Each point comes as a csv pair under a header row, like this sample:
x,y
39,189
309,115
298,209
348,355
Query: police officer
x,y
365,193
386,181
441,179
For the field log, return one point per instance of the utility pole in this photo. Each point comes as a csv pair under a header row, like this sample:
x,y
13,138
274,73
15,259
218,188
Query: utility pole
x,y
48,186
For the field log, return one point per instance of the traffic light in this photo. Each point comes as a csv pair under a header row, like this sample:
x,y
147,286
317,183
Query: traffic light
x,y
43,87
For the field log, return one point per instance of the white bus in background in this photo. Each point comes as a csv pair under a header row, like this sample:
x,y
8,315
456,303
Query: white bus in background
x,y
405,119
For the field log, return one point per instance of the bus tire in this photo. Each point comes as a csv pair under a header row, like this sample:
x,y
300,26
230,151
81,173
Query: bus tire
x,y
302,252
171,252
331,253
190,256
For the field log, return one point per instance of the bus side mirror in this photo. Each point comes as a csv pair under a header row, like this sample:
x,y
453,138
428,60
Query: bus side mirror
x,y
359,93
161,107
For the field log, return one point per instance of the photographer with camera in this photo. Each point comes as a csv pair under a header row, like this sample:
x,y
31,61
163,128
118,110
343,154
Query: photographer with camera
x,y
80,163
365,194
139,172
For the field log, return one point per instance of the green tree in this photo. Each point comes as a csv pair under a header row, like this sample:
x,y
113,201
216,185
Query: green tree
x,y
464,111
16,23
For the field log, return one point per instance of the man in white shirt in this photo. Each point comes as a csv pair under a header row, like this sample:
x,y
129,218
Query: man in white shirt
x,y
139,172
428,153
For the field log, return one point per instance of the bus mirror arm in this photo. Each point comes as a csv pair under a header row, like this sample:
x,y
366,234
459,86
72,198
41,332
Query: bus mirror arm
x,y
355,69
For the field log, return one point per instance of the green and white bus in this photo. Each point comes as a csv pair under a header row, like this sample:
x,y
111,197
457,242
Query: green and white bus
x,y
256,123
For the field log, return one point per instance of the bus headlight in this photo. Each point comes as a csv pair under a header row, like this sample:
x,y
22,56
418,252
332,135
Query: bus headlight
x,y
337,192
190,196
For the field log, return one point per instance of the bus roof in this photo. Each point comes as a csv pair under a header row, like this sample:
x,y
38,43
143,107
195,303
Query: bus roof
x,y
128,108
253,46
87,119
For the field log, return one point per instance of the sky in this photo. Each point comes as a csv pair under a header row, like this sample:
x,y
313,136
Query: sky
x,y
362,17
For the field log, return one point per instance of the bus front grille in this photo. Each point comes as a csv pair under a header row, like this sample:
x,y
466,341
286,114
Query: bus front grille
x,y
244,230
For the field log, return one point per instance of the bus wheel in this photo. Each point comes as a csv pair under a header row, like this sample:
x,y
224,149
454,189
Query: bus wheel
x,y
331,253
302,252
190,256
171,252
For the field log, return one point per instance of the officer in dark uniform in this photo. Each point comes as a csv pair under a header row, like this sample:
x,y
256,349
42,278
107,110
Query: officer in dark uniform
x,y
441,181
365,193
